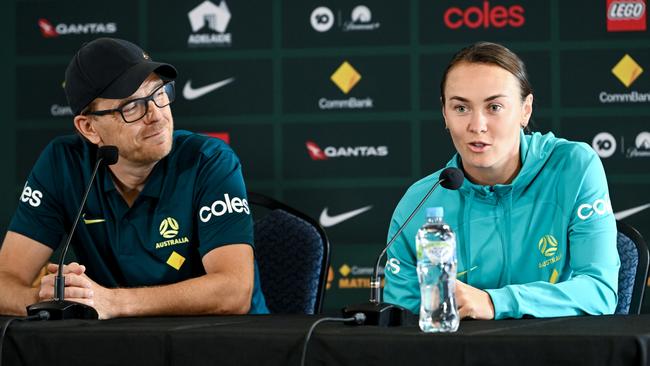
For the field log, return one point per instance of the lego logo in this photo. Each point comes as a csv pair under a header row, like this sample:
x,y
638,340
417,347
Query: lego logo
x,y
626,10
222,207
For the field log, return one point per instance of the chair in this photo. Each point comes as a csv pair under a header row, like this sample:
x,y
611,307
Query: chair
x,y
633,273
293,257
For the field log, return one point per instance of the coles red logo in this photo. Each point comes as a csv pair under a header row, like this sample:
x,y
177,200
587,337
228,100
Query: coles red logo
x,y
486,16
47,29
626,15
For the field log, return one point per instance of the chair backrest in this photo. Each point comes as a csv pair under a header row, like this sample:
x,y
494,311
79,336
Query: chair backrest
x,y
633,273
293,256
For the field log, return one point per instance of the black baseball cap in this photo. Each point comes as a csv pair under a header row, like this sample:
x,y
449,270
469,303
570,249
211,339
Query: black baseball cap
x,y
109,68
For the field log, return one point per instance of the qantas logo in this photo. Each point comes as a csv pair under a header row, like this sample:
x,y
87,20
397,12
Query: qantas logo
x,y
327,221
191,93
316,153
50,31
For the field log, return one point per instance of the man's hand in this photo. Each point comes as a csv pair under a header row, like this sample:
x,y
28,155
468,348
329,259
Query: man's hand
x,y
78,287
473,303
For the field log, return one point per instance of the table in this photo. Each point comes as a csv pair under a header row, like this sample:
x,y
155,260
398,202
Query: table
x,y
278,340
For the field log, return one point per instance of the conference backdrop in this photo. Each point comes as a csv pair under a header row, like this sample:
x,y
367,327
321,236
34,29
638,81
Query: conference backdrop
x,y
333,105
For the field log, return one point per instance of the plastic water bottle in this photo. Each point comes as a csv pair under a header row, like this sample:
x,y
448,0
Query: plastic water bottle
x,y
436,267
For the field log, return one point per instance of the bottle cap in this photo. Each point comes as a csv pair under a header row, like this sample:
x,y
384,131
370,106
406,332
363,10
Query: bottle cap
x,y
435,212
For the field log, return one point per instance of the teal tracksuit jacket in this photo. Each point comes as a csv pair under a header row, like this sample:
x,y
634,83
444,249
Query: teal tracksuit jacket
x,y
544,245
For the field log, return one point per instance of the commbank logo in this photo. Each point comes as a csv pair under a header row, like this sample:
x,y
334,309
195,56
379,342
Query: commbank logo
x,y
221,207
61,29
627,70
209,23
345,77
626,15
168,228
316,153
487,16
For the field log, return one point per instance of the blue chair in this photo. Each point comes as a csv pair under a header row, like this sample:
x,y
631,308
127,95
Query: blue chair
x,y
293,257
633,273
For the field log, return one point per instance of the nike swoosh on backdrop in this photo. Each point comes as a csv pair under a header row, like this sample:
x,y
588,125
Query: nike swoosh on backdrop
x,y
630,211
190,93
327,220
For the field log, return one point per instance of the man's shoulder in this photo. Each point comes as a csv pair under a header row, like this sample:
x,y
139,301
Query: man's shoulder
x,y
192,145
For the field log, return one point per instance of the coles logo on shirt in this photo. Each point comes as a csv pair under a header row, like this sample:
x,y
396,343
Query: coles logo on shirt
x,y
485,16
226,206
626,15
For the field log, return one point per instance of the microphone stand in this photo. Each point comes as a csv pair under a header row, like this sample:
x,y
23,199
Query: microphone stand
x,y
58,308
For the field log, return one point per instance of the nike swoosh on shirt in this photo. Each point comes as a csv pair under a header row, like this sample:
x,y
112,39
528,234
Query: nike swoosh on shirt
x,y
92,221
327,220
630,211
191,93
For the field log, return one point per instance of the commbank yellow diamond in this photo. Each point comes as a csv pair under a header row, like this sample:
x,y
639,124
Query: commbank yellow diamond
x,y
627,70
345,77
175,260
554,276
344,270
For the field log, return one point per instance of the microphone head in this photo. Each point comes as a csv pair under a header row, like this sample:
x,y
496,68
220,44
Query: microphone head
x,y
452,178
108,154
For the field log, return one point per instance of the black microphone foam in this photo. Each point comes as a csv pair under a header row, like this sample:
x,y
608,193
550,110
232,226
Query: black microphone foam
x,y
452,178
108,154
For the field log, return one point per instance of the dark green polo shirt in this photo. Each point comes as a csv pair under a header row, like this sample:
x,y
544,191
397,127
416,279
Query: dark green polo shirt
x,y
193,201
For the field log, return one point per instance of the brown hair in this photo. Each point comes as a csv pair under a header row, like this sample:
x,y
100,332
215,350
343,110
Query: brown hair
x,y
492,54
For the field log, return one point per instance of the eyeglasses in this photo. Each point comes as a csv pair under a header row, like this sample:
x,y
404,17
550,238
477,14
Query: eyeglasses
x,y
135,109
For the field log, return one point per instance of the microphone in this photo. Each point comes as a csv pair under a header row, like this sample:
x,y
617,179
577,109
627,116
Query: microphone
x,y
58,308
383,314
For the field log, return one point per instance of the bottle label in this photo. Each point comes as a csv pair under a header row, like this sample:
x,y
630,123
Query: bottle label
x,y
437,251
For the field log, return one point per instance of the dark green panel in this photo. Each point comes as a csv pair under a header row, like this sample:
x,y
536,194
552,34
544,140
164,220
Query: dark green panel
x,y
588,81
247,26
223,87
47,28
384,84
466,21
39,93
353,150
30,143
342,23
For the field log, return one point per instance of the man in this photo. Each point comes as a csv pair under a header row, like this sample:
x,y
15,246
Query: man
x,y
166,230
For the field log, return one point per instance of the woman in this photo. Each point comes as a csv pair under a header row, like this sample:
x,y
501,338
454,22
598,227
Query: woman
x,y
536,235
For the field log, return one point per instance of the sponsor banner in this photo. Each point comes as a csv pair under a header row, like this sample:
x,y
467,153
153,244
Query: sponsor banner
x,y
624,148
538,65
604,20
348,280
359,215
204,25
346,84
606,78
39,93
253,144
343,23
60,28
346,150
467,21
223,87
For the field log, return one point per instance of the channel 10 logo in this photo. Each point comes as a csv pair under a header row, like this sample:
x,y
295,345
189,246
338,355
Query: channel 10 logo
x,y
547,245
